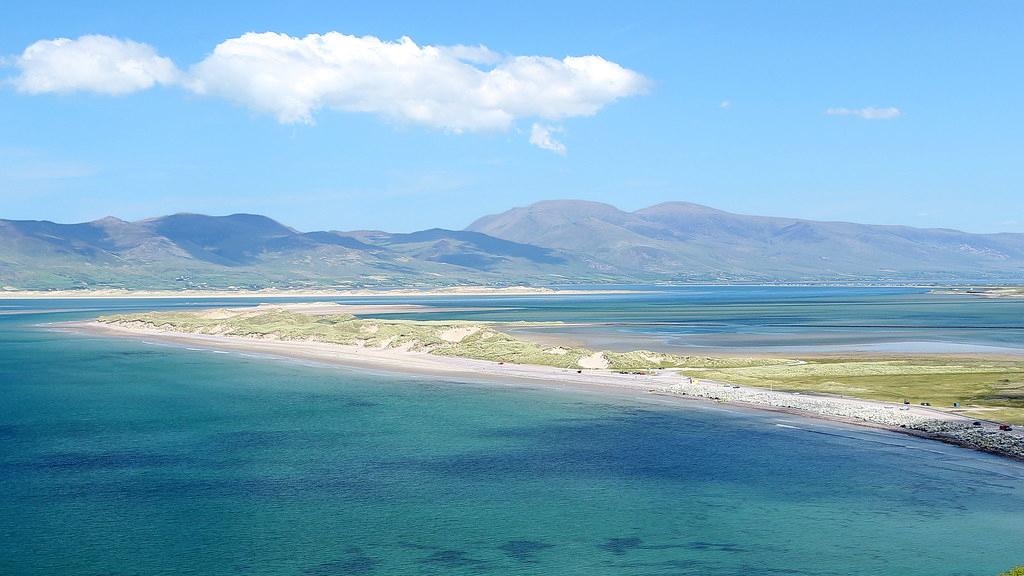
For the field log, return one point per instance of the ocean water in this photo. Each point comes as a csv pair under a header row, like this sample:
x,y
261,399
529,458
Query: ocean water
x,y
776,319
126,457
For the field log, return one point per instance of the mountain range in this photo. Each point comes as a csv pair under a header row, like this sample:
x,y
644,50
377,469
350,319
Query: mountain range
x,y
552,242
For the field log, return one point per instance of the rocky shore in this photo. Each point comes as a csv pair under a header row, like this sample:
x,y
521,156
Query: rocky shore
x,y
917,420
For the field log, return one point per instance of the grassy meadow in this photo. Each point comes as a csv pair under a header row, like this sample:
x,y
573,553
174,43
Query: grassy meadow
x,y
989,389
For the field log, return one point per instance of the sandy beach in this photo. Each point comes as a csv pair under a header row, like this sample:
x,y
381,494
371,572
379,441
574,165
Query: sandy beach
x,y
917,420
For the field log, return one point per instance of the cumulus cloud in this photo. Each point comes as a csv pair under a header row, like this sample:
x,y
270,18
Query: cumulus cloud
x,y
91,64
476,54
542,136
454,88
440,87
868,113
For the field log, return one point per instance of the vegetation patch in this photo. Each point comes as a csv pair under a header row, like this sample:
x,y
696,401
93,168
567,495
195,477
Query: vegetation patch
x,y
443,338
989,389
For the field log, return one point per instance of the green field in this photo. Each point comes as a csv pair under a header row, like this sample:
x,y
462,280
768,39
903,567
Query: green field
x,y
989,389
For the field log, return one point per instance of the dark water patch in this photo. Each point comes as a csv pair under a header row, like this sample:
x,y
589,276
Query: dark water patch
x,y
524,550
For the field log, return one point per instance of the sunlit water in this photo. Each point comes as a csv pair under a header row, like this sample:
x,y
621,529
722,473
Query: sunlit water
x,y
126,457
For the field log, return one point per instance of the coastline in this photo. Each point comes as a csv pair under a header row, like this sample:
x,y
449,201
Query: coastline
x,y
993,292
914,420
317,293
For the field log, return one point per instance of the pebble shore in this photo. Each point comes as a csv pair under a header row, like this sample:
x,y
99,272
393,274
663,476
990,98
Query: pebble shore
x,y
946,427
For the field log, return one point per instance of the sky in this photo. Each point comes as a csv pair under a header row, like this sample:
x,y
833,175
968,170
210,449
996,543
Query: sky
x,y
409,115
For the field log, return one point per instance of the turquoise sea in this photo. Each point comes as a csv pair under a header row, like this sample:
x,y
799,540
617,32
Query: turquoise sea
x,y
126,457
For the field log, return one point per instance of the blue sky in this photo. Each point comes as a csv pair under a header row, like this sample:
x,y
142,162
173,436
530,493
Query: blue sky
x,y
729,108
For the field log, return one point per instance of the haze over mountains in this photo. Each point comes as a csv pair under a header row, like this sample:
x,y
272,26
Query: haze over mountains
x,y
686,240
554,242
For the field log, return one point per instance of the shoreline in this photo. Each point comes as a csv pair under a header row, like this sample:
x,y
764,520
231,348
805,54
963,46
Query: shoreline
x,y
312,293
8,293
989,292
919,421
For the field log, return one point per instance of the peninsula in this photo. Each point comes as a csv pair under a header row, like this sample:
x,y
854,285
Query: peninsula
x,y
332,333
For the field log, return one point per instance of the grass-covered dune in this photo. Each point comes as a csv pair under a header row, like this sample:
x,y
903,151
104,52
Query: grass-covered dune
x,y
985,388
442,338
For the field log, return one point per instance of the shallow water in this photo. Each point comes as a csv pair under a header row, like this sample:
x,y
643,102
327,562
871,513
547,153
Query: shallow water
x,y
121,457
783,320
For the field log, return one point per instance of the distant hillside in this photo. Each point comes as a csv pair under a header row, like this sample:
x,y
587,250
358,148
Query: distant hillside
x,y
557,242
684,241
244,250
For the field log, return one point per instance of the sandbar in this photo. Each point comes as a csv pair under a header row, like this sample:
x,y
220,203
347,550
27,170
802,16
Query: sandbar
x,y
916,420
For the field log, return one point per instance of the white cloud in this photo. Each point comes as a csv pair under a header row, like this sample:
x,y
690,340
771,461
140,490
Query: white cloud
x,y
440,87
725,104
455,88
476,54
542,137
868,113
91,64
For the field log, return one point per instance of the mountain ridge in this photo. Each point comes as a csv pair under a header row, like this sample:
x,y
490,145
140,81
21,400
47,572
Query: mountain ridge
x,y
671,237
549,242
